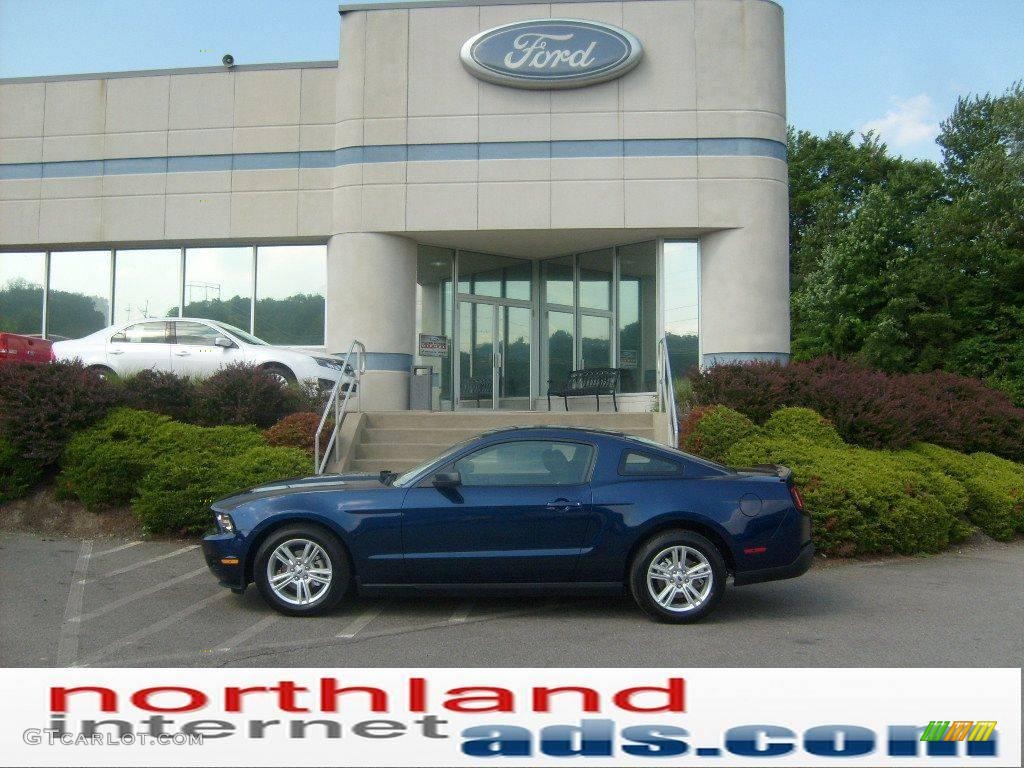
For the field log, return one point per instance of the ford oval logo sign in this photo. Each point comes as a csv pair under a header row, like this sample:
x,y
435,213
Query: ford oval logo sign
x,y
551,53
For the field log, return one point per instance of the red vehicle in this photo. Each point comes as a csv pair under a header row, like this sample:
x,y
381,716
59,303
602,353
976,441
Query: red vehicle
x,y
15,348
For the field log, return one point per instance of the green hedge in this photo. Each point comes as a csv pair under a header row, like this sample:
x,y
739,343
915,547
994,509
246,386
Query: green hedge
x,y
711,431
169,471
995,487
864,501
870,501
17,474
177,493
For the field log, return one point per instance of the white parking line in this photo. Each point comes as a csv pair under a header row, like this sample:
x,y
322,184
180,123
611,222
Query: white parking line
x,y
327,642
67,645
461,613
143,564
250,632
131,598
359,622
112,550
152,629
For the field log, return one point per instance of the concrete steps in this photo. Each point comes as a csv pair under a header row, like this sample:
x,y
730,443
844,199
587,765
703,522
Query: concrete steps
x,y
400,440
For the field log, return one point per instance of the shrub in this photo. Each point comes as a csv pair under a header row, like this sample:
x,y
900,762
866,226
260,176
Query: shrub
x,y
107,463
754,389
104,464
241,394
802,423
160,392
864,404
42,406
17,475
864,501
297,430
710,432
176,495
871,408
995,487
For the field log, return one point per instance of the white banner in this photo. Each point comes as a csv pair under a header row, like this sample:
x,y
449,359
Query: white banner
x,y
448,717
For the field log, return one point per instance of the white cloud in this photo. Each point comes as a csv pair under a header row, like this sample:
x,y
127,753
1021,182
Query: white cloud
x,y
911,124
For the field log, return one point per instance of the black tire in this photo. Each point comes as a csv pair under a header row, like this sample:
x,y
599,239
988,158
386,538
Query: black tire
x,y
281,371
680,613
337,561
102,372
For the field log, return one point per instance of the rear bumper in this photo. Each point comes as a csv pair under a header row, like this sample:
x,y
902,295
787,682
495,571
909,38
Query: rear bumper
x,y
220,547
798,567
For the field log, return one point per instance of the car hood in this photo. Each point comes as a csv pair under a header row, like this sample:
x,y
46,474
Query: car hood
x,y
356,481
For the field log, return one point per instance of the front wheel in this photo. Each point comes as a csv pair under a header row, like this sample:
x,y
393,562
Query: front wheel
x,y
281,374
301,571
677,577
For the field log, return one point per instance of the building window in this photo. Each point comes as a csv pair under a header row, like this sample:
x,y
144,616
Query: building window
x,y
637,306
503,277
291,283
434,318
218,285
22,276
596,279
147,283
681,297
78,302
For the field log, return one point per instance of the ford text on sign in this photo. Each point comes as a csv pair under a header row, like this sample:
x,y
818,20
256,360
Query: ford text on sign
x,y
551,53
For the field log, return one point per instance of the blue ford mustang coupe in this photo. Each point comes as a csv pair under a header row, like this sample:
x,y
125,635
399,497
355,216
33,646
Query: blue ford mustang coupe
x,y
525,508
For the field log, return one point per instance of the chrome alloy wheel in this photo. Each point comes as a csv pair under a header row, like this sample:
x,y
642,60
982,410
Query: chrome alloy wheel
x,y
299,572
679,579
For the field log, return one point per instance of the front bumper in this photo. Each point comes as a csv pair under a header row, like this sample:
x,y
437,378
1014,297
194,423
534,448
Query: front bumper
x,y
220,549
798,567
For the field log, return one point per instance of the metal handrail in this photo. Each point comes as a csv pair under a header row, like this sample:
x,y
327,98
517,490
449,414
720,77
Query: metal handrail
x,y
338,404
666,390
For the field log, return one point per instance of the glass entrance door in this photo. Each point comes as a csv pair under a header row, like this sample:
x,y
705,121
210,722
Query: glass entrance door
x,y
494,355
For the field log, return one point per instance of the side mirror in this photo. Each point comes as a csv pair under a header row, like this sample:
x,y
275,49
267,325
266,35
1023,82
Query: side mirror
x,y
119,336
223,341
447,480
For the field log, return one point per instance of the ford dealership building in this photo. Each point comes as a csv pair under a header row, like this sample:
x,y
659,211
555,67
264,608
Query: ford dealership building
x,y
502,191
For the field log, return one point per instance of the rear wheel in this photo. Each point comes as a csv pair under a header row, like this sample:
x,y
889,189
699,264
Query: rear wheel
x,y
301,571
102,372
678,577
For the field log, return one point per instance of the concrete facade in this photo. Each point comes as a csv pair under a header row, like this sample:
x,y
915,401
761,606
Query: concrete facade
x,y
397,145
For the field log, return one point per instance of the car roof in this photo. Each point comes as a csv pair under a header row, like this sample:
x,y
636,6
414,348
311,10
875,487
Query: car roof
x,y
570,430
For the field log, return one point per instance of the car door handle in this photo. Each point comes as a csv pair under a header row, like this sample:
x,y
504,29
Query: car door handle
x,y
116,352
182,353
564,504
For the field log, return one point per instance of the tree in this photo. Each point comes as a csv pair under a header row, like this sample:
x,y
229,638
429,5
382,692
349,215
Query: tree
x,y
912,266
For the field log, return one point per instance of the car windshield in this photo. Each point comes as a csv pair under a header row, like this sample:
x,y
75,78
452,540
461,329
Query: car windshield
x,y
248,338
407,477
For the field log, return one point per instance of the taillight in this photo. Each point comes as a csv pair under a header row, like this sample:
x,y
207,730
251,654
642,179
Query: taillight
x,y
798,500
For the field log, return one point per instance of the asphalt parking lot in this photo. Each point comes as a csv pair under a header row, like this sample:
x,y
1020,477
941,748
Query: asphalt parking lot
x,y
103,602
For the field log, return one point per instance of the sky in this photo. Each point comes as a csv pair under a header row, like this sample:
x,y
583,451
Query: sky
x,y
892,66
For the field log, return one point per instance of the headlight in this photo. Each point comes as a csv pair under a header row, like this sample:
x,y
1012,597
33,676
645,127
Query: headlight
x,y
328,362
225,522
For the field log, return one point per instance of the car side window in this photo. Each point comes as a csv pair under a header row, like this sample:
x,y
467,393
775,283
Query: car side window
x,y
642,463
143,333
196,334
527,462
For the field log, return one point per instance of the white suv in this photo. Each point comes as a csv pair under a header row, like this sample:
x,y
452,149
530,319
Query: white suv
x,y
193,347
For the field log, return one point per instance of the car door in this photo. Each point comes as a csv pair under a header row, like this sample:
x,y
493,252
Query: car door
x,y
194,353
139,347
520,514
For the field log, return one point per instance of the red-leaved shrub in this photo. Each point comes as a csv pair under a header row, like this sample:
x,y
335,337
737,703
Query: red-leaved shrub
x,y
297,430
872,408
42,406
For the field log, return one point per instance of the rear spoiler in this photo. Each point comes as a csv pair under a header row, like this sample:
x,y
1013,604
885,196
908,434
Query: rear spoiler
x,y
783,473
